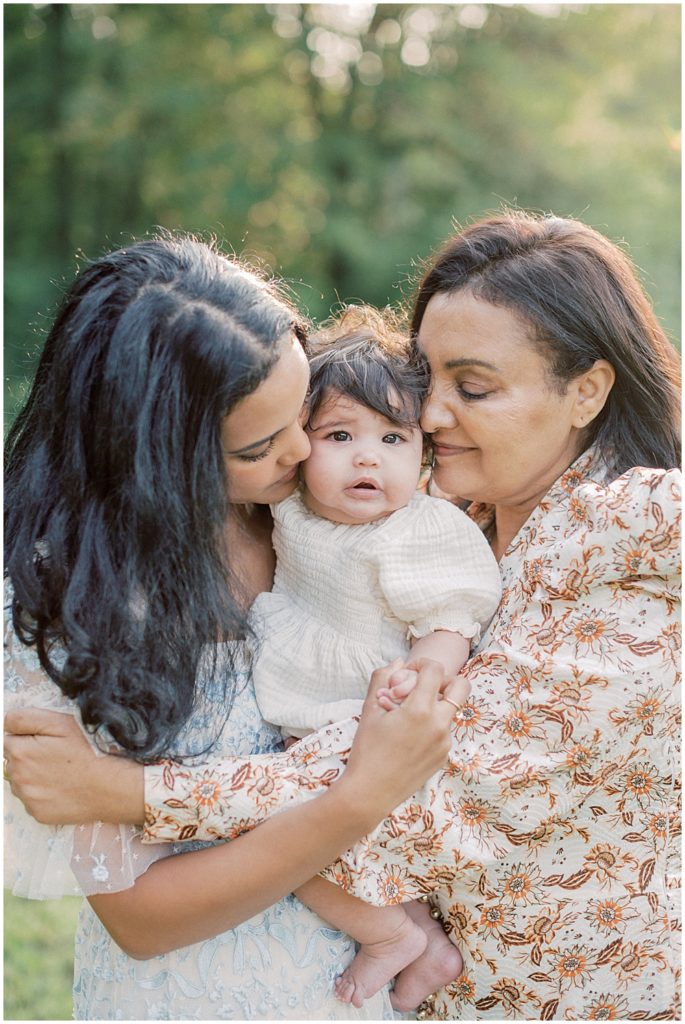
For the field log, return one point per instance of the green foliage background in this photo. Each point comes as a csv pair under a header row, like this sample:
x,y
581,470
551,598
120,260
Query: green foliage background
x,y
39,958
335,145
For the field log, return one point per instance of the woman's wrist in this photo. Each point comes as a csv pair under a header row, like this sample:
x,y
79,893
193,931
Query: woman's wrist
x,y
358,806
121,791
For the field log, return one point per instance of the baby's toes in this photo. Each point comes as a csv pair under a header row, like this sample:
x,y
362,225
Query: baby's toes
x,y
344,988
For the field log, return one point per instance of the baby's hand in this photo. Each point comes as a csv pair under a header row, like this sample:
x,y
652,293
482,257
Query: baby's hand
x,y
400,685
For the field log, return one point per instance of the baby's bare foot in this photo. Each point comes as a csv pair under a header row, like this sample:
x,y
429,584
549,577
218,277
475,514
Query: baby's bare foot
x,y
377,962
439,964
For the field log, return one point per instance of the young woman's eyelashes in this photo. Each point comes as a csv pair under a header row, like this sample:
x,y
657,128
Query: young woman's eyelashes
x,y
260,455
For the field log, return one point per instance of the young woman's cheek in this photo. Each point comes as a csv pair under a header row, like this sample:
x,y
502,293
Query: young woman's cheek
x,y
246,482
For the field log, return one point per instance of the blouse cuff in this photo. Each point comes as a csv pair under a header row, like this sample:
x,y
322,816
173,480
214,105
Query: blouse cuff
x,y
456,623
231,795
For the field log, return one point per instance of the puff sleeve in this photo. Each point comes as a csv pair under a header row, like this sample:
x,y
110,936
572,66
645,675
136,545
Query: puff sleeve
x,y
436,570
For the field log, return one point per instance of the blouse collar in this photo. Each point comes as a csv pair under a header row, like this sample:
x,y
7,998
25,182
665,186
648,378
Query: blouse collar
x,y
589,466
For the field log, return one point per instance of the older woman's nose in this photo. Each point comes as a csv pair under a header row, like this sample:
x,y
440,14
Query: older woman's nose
x,y
437,414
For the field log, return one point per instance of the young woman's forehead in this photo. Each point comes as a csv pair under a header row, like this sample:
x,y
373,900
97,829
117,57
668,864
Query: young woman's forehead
x,y
274,404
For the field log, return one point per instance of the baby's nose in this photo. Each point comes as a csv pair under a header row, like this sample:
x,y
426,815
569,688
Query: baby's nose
x,y
367,456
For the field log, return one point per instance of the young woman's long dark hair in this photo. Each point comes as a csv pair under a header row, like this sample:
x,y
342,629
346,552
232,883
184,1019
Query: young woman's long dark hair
x,y
115,485
582,300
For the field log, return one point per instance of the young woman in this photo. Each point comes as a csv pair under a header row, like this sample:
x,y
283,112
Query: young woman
x,y
165,416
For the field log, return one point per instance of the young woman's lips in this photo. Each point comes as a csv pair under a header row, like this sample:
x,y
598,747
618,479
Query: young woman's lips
x,y
287,478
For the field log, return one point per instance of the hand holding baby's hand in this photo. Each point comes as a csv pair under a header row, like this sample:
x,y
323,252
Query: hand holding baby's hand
x,y
400,684
403,680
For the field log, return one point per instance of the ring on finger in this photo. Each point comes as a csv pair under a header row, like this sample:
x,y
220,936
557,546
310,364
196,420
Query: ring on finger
x,y
452,702
5,773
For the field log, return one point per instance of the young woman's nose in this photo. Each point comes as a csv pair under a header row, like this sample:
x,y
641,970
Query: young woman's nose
x,y
437,414
298,448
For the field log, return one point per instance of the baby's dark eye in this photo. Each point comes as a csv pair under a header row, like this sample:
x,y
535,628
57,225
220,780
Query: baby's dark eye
x,y
393,439
340,435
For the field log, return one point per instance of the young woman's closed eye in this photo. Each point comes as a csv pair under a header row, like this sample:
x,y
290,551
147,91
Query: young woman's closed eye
x,y
260,455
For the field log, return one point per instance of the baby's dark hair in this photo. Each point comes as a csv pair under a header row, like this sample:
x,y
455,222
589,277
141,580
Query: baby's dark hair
x,y
364,354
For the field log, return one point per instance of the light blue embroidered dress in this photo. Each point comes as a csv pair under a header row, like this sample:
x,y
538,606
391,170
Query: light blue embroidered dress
x,y
280,965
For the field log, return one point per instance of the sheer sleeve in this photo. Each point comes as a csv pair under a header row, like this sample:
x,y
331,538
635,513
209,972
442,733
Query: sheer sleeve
x,y
45,861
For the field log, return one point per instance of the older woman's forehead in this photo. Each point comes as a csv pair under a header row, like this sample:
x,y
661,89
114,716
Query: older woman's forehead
x,y
459,328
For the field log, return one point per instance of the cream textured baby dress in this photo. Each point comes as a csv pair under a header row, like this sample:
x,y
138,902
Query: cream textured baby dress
x,y
348,599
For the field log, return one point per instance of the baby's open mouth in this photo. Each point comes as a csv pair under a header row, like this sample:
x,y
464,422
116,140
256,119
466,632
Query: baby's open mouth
x,y
365,485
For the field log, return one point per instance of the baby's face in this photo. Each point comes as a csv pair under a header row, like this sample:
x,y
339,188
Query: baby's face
x,y
362,466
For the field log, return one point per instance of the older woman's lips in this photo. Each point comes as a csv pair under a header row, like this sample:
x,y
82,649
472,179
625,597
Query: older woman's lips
x,y
444,450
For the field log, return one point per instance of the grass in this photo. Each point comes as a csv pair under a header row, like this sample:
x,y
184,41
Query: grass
x,y
39,958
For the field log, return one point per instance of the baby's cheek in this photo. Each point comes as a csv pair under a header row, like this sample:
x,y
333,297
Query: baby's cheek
x,y
318,473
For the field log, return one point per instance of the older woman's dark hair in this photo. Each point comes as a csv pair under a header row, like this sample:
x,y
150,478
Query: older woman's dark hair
x,y
115,485
582,301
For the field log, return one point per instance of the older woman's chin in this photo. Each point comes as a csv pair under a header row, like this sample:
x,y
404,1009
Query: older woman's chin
x,y
443,485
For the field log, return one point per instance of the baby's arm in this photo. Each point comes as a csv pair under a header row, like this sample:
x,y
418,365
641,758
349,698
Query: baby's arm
x,y
447,648
440,578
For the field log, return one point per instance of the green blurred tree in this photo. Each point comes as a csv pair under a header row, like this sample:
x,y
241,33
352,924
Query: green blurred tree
x,y
337,145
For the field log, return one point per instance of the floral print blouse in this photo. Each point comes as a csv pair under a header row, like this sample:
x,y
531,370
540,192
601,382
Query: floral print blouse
x,y
549,840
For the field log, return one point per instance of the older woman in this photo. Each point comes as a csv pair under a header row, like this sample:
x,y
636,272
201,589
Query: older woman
x,y
548,838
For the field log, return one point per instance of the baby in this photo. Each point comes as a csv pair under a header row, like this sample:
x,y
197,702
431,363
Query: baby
x,y
367,571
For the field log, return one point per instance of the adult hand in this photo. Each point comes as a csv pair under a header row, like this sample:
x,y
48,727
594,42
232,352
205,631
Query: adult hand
x,y
402,681
396,751
58,777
